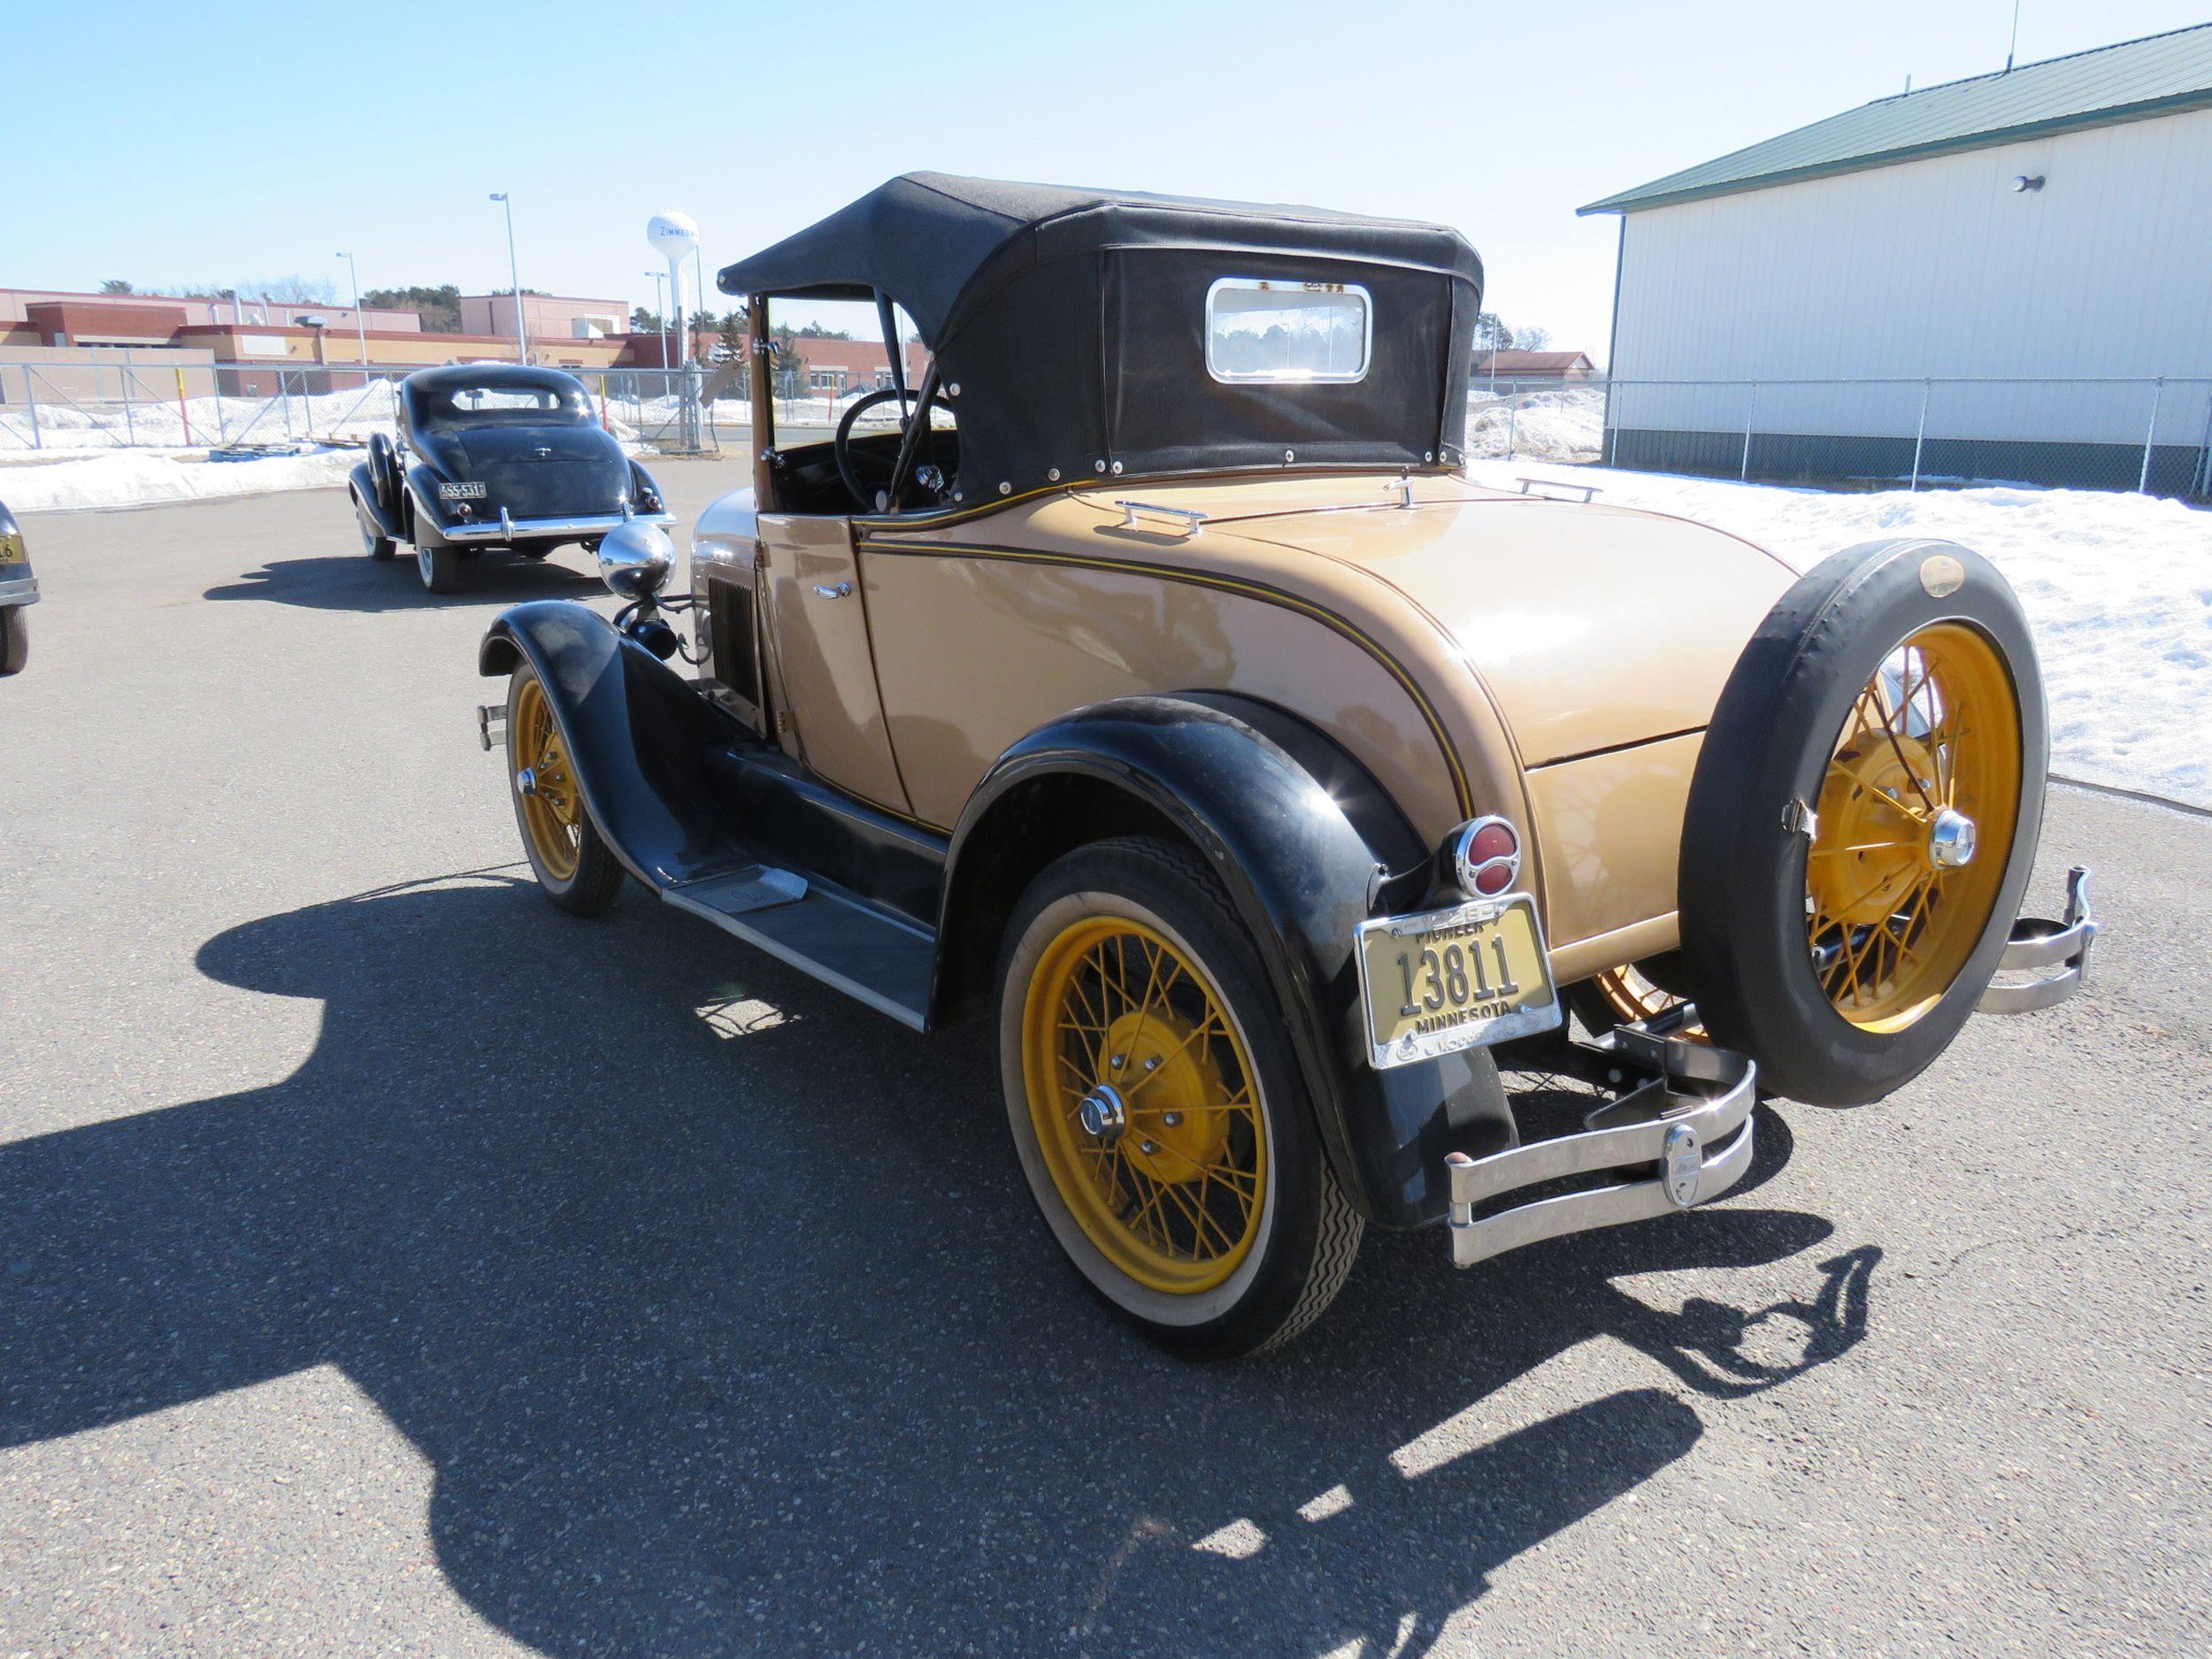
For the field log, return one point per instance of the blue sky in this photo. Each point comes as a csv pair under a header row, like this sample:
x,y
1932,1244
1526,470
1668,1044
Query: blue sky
x,y
166,143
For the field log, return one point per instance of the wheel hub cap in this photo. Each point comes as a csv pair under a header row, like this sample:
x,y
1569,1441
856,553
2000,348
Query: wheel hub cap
x,y
1102,1113
1951,841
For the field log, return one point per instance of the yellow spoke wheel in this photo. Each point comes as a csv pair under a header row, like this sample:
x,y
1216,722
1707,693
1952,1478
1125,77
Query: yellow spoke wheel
x,y
1145,1104
545,785
1916,809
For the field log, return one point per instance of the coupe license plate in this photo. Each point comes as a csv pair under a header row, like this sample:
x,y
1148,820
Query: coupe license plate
x,y
467,489
1450,979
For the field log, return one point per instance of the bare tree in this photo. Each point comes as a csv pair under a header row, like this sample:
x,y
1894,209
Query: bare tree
x,y
294,290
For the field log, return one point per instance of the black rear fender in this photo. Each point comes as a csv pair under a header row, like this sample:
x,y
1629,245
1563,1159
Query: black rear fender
x,y
361,482
1305,842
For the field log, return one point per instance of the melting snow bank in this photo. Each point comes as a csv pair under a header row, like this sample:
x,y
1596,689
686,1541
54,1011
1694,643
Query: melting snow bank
x,y
2117,587
138,478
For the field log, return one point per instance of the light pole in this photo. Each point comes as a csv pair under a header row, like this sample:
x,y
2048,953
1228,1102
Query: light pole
x,y
660,309
699,287
514,274
360,324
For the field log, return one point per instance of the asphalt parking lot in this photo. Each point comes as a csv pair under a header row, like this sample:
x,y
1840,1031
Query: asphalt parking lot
x,y
391,1264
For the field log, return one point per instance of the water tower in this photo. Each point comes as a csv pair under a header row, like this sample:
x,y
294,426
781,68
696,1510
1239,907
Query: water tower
x,y
675,237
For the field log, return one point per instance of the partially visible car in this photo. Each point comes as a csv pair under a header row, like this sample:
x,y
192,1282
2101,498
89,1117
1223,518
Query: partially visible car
x,y
495,455
18,590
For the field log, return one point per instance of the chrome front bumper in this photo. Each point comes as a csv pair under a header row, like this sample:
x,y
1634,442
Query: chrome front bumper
x,y
18,589
1700,1101
512,529
2036,944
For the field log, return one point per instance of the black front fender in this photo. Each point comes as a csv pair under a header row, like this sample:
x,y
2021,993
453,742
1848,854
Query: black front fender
x,y
637,735
1306,843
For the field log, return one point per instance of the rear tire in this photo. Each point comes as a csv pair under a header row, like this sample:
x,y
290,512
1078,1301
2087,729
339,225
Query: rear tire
x,y
439,566
15,639
374,543
1829,928
1203,1211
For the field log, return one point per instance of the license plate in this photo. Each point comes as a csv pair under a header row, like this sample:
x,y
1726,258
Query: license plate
x,y
1450,979
468,489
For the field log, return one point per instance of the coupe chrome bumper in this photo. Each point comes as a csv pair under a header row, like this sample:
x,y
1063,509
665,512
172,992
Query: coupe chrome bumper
x,y
1701,1099
18,590
2036,944
512,529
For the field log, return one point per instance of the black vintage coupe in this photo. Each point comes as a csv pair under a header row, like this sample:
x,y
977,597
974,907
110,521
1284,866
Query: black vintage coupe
x,y
494,455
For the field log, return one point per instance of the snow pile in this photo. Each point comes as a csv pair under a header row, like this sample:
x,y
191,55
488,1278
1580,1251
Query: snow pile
x,y
1567,425
135,478
2118,589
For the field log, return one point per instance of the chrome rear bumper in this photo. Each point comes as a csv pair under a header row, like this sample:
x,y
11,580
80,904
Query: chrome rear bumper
x,y
1690,1127
510,528
2036,944
1701,1099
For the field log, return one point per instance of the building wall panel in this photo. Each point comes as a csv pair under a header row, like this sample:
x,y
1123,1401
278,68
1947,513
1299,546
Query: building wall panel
x,y
1934,267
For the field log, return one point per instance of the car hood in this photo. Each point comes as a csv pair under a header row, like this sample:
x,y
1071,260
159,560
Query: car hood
x,y
1590,627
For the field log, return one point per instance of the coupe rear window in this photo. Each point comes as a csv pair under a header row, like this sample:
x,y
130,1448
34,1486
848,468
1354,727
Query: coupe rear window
x,y
1287,331
493,405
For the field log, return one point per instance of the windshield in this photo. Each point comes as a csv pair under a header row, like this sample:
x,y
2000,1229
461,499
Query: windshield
x,y
504,405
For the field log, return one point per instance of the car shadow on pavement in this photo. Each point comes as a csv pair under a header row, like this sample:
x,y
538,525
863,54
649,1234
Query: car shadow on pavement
x,y
360,583
717,1307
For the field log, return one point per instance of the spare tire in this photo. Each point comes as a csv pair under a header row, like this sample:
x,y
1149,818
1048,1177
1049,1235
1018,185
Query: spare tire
x,y
1863,819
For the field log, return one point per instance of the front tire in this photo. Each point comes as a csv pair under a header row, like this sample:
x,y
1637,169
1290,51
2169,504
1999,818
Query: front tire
x,y
1166,1136
439,566
575,866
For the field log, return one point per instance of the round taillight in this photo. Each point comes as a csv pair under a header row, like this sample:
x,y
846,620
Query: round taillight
x,y
1494,840
1486,856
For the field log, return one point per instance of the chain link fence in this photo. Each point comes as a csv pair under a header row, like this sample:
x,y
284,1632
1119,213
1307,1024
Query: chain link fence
x,y
2152,435
68,407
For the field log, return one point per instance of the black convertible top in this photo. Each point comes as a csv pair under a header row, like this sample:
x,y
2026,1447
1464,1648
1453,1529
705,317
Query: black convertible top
x,y
925,238
1073,321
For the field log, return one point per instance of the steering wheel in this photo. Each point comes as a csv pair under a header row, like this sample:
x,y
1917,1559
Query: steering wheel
x,y
872,494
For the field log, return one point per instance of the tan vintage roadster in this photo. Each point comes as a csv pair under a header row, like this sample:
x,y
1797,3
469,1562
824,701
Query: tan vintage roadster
x,y
1161,687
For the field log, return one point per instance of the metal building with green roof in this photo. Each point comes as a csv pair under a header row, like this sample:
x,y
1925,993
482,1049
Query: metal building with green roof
x,y
2044,232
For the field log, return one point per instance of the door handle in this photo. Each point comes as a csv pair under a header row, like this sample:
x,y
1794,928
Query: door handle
x,y
838,592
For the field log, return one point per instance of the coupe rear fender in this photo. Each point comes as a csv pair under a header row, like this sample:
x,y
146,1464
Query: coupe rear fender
x,y
362,482
637,735
1306,844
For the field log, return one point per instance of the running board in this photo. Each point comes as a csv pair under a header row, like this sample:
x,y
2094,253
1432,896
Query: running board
x,y
883,962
